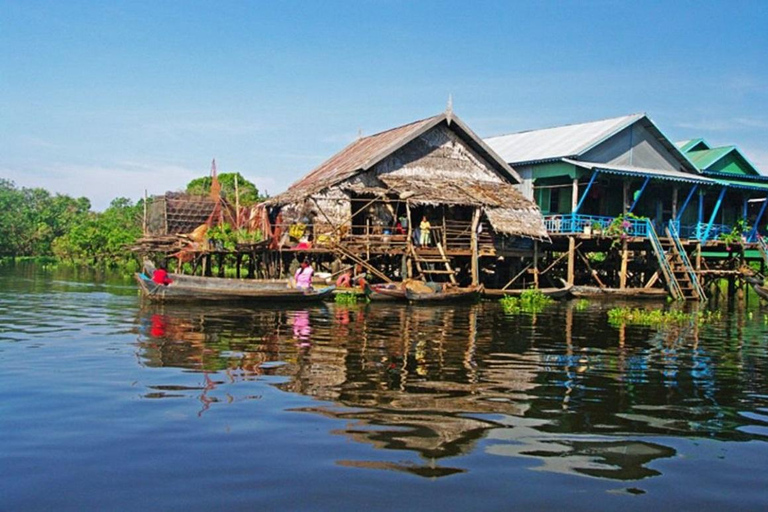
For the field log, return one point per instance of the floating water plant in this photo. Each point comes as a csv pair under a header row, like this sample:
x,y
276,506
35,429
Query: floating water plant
x,y
347,298
581,304
530,301
657,317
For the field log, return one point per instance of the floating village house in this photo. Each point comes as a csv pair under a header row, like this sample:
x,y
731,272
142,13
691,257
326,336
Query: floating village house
x,y
624,177
366,205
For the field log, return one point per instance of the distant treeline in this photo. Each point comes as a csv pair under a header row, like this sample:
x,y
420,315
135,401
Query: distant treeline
x,y
36,223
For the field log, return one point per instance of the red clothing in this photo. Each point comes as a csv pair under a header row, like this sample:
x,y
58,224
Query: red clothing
x,y
160,276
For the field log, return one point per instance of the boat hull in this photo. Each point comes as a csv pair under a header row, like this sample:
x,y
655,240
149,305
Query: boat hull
x,y
452,295
385,292
194,288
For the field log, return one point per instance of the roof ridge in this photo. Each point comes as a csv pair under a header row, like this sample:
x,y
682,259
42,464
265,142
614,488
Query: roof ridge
x,y
636,114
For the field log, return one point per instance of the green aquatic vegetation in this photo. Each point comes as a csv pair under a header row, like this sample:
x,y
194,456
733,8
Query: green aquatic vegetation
x,y
348,298
530,301
581,305
657,317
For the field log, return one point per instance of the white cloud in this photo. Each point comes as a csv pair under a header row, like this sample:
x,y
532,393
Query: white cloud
x,y
102,184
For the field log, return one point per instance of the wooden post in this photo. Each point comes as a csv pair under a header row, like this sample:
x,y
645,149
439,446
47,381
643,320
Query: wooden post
x,y
575,194
674,201
475,252
536,264
571,259
144,223
624,258
625,197
409,241
237,205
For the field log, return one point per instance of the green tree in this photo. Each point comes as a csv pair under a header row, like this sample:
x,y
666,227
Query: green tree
x,y
30,219
247,191
102,239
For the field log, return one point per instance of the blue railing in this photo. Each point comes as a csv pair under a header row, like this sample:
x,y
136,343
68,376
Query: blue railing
x,y
569,223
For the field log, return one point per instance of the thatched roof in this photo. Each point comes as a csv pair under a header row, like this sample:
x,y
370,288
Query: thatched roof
x,y
507,209
366,152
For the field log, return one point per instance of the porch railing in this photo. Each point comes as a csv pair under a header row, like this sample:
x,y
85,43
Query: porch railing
x,y
570,223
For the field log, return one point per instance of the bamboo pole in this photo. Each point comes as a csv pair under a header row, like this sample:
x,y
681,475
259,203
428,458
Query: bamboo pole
x,y
536,264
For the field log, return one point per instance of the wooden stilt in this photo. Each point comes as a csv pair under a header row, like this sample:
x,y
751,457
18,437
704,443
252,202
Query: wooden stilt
x,y
475,264
624,260
536,264
571,260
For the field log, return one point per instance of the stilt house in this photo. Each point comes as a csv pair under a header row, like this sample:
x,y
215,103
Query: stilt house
x,y
367,204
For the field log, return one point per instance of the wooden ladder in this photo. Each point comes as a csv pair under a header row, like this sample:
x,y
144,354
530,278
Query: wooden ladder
x,y
429,262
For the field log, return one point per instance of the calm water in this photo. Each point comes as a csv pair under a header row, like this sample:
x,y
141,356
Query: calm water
x,y
109,404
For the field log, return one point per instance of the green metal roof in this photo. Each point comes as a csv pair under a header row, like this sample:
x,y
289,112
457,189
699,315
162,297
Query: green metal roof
x,y
686,145
746,185
704,158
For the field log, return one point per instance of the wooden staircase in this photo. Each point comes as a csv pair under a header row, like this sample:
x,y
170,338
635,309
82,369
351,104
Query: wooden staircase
x,y
429,264
679,270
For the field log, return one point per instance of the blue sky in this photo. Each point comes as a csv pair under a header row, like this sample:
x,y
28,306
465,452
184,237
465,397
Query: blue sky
x,y
105,99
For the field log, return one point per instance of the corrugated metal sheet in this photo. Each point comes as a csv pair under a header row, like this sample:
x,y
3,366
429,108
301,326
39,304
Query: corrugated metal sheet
x,y
642,172
560,141
704,158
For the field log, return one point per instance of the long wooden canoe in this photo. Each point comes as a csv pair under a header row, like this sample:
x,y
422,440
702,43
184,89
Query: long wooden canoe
x,y
385,292
196,288
449,294
553,293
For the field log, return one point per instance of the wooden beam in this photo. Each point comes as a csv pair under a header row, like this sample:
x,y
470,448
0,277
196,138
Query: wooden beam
x,y
624,261
591,270
516,276
475,264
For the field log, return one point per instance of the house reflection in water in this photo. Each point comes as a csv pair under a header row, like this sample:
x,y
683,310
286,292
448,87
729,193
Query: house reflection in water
x,y
441,383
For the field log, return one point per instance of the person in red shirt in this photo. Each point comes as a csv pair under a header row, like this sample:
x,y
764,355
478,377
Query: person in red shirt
x,y
160,276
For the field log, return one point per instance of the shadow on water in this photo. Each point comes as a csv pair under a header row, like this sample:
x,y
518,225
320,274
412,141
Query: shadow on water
x,y
562,387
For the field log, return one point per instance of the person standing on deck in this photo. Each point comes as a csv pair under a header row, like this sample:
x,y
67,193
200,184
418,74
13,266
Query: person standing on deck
x,y
424,228
303,276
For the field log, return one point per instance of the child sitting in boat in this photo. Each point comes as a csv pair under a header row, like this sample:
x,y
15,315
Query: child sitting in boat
x,y
160,276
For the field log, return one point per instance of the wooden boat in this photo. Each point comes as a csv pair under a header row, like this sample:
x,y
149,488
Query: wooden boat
x,y
385,291
761,291
196,288
433,292
593,292
553,293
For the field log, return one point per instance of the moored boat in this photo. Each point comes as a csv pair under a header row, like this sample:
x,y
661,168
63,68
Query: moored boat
x,y
593,292
196,288
553,293
385,292
424,293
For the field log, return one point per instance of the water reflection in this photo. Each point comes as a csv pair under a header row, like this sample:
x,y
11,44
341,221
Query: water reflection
x,y
562,387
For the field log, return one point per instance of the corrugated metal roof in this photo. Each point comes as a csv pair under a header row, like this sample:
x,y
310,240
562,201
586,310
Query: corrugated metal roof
x,y
686,145
628,170
704,158
560,141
